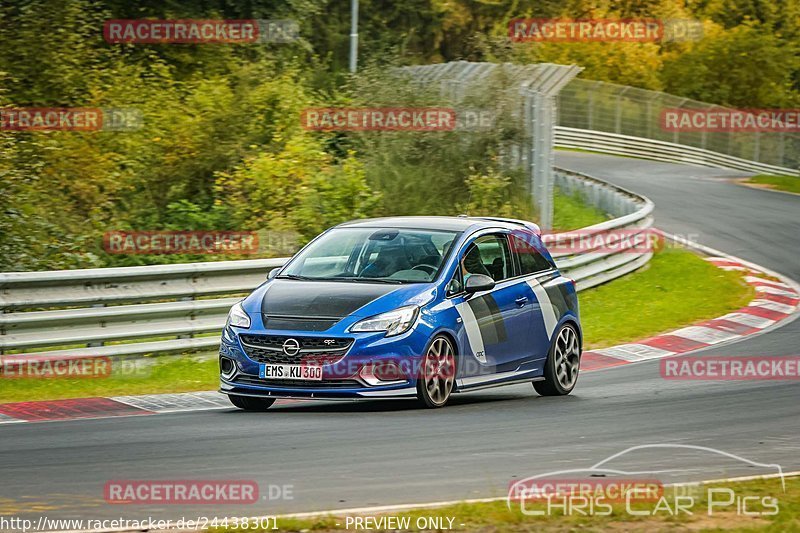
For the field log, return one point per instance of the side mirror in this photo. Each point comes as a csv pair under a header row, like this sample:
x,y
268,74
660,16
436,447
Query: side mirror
x,y
273,273
478,282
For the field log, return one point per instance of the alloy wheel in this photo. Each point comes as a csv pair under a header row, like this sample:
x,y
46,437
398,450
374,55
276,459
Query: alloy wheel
x,y
439,370
567,358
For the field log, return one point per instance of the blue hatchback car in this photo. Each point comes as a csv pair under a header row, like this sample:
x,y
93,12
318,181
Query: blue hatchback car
x,y
405,307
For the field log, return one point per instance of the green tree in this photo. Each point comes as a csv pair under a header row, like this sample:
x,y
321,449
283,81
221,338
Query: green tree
x,y
746,67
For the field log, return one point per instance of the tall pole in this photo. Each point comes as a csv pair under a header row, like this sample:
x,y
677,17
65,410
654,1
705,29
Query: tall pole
x,y
542,118
353,35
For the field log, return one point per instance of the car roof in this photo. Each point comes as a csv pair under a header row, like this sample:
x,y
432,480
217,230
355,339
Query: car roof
x,y
459,223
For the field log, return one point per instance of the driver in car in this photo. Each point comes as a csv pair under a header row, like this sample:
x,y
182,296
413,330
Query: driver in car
x,y
472,263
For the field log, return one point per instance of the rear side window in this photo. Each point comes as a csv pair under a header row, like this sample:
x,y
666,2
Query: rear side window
x,y
530,260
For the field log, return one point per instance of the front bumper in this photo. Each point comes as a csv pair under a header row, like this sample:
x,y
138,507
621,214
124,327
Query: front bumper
x,y
350,375
319,392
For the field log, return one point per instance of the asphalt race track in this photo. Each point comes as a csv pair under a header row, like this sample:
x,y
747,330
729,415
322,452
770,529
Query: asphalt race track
x,y
756,225
344,455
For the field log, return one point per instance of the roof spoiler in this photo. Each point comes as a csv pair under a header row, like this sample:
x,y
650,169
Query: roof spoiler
x,y
524,223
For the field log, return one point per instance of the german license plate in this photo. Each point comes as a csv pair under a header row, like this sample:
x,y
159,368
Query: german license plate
x,y
301,372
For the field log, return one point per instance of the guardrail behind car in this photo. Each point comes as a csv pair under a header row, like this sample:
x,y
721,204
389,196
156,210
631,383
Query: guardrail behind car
x,y
134,311
613,143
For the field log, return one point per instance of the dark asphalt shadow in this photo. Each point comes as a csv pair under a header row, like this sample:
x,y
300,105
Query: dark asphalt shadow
x,y
504,400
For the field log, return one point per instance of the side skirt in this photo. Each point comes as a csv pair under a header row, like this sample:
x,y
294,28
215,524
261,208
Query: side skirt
x,y
494,384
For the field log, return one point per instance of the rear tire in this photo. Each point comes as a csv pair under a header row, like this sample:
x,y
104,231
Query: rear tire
x,y
251,404
437,376
562,365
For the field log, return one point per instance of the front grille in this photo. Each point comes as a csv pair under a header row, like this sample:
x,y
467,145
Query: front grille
x,y
298,323
275,342
245,379
313,350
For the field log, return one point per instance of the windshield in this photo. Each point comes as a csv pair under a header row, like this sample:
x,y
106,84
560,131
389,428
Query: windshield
x,y
382,255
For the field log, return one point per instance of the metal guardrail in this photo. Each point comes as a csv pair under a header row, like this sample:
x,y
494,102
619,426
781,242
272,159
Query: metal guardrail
x,y
77,312
612,143
134,311
630,111
633,213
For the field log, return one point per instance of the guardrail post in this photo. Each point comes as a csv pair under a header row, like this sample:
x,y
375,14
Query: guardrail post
x,y
96,343
188,299
757,147
676,136
618,112
541,158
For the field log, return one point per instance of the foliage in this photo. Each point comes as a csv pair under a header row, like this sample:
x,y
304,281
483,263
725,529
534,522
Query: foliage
x,y
744,67
489,195
299,188
221,146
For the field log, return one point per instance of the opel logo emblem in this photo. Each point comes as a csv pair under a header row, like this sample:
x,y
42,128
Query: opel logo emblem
x,y
291,346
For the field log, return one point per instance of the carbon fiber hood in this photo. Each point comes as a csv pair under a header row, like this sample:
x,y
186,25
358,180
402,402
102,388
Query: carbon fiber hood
x,y
319,298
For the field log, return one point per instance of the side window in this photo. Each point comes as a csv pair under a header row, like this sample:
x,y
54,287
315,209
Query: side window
x,y
490,256
530,260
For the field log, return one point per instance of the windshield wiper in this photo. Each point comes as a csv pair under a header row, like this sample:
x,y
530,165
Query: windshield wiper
x,y
341,278
371,280
295,276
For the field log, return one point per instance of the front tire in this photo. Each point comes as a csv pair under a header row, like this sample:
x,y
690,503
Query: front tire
x,y
438,373
251,404
562,365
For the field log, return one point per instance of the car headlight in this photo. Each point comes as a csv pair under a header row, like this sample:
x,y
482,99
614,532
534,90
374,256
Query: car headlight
x,y
237,317
393,322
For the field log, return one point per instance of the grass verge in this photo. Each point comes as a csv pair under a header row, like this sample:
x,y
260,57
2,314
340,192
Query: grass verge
x,y
571,212
778,183
166,374
675,289
658,516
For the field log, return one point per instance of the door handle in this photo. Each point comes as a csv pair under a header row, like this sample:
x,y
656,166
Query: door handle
x,y
521,301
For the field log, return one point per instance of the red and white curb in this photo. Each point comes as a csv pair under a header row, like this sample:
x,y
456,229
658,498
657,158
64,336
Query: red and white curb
x,y
777,301
88,408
